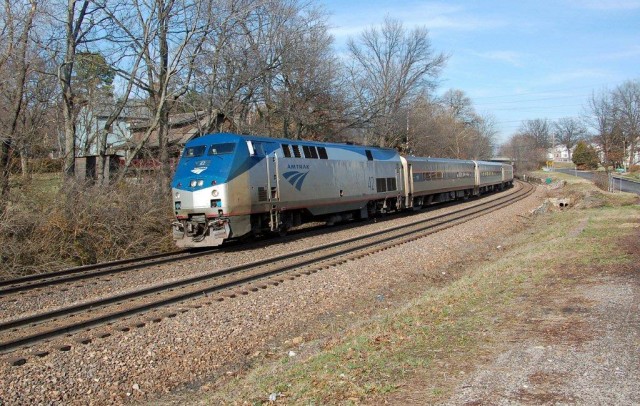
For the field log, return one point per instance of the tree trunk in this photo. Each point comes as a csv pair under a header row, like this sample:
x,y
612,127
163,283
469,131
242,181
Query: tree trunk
x,y
163,78
5,161
69,140
65,71
24,163
163,130
17,106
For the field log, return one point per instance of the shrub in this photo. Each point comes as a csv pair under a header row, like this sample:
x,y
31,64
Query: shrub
x,y
46,165
78,225
37,165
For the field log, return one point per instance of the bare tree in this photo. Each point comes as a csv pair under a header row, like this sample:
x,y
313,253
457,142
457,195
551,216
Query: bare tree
x,y
80,21
306,87
449,127
480,131
460,106
483,145
390,67
626,101
268,67
18,19
168,35
234,72
568,131
524,151
539,130
40,105
608,134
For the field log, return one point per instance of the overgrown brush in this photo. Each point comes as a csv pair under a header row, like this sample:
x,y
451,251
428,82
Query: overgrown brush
x,y
80,224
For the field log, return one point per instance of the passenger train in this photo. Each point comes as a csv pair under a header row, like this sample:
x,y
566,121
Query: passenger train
x,y
228,186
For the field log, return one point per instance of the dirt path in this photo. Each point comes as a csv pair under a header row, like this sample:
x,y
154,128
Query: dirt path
x,y
580,345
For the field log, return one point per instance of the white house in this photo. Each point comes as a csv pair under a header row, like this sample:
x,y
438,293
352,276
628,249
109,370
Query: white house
x,y
560,153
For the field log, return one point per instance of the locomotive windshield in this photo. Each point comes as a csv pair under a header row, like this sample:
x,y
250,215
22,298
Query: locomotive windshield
x,y
191,152
219,149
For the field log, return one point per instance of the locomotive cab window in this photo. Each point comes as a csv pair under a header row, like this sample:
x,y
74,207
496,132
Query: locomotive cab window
x,y
369,155
192,152
221,149
259,147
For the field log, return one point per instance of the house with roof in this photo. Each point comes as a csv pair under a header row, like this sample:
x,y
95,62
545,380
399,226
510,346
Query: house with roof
x,y
92,119
183,127
560,153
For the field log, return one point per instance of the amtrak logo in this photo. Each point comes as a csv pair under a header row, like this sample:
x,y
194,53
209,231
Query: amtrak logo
x,y
198,171
295,178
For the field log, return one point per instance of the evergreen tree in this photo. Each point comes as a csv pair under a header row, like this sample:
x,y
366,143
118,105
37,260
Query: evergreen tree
x,y
585,156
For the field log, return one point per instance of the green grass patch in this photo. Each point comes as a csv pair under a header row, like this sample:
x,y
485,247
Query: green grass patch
x,y
44,185
631,176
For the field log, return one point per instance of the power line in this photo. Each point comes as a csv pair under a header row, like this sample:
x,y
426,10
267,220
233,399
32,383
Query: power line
x,y
526,108
531,100
542,92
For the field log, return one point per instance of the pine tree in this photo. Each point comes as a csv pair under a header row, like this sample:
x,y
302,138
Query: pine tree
x,y
585,156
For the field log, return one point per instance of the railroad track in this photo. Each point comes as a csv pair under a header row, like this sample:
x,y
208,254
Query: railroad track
x,y
75,274
104,271
149,302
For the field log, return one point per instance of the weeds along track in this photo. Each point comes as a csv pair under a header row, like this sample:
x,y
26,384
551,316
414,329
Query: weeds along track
x,y
153,303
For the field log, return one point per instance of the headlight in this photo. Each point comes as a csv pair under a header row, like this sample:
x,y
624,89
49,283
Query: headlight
x,y
193,183
200,182
214,192
177,195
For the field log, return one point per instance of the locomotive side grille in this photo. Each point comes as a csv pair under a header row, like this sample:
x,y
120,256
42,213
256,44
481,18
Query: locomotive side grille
x,y
262,194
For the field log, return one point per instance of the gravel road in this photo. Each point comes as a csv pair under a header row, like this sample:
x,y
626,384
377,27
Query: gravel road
x,y
213,340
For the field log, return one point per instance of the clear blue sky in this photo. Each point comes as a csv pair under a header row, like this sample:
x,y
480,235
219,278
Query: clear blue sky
x,y
517,60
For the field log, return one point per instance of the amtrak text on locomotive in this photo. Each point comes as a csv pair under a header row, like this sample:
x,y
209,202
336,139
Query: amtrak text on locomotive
x,y
297,166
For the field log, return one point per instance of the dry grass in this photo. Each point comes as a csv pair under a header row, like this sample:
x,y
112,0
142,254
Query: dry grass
x,y
583,193
48,227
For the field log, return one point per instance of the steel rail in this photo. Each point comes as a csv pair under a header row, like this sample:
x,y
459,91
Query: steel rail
x,y
32,282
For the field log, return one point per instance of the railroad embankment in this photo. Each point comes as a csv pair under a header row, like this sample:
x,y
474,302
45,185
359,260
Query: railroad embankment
x,y
549,315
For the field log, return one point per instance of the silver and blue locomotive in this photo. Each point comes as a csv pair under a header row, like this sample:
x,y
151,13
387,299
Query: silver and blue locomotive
x,y
228,185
